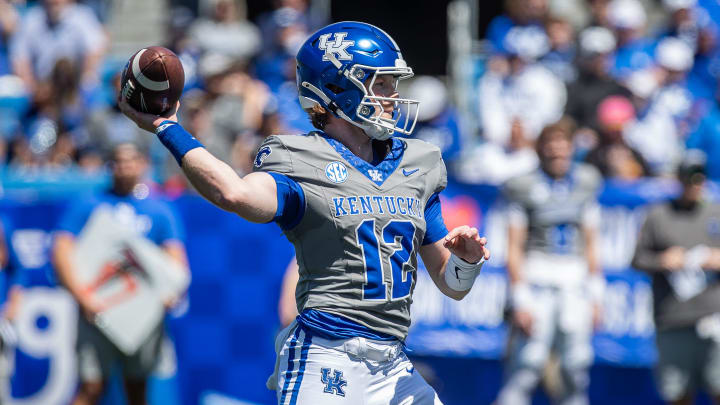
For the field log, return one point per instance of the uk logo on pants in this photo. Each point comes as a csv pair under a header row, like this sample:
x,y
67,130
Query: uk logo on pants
x,y
334,384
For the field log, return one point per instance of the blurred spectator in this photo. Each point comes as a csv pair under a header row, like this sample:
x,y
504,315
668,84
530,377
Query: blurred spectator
x,y
634,50
198,121
612,156
59,29
556,284
703,78
522,17
8,24
277,70
90,161
223,29
492,163
109,127
706,138
58,98
515,87
283,31
97,355
286,27
437,121
599,13
594,82
659,132
685,21
560,59
679,246
238,111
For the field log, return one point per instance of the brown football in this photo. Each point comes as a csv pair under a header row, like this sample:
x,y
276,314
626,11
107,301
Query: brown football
x,y
153,80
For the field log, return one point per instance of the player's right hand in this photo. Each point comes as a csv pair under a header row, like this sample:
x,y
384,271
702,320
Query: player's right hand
x,y
523,320
148,122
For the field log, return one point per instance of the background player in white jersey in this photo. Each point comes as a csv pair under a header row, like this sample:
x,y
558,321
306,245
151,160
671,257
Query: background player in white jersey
x,y
556,281
358,205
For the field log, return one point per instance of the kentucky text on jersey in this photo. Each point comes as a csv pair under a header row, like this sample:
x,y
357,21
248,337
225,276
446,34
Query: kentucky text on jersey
x,y
377,205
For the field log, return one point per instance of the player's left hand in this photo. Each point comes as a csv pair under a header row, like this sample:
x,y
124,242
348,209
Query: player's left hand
x,y
465,243
146,121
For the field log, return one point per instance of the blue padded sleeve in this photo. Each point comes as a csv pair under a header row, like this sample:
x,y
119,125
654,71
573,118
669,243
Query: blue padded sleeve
x,y
435,225
290,201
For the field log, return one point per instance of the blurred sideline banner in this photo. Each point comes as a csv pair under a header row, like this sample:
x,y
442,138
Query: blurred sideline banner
x,y
224,334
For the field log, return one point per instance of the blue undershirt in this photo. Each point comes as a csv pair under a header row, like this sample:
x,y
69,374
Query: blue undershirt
x,y
332,327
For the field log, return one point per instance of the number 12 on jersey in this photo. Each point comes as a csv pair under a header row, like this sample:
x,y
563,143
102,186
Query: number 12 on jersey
x,y
399,233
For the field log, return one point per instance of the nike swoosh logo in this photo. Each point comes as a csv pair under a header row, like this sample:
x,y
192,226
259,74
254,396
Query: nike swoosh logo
x,y
409,172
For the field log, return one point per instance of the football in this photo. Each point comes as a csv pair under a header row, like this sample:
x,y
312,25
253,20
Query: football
x,y
152,80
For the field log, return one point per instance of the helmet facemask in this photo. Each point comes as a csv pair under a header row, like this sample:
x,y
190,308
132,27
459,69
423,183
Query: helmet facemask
x,y
370,110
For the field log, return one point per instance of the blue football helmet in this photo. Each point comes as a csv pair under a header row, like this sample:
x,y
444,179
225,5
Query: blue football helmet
x,y
336,69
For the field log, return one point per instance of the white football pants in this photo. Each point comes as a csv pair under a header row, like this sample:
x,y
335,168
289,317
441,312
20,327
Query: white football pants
x,y
314,371
562,321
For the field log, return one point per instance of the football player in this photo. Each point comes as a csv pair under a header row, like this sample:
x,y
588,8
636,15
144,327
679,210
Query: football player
x,y
359,205
555,277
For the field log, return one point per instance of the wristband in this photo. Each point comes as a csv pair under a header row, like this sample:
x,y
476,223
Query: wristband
x,y
460,275
176,139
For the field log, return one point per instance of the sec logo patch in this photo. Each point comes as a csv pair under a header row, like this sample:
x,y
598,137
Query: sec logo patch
x,y
336,172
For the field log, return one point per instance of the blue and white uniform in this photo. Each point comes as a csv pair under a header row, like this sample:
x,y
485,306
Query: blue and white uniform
x,y
356,226
555,213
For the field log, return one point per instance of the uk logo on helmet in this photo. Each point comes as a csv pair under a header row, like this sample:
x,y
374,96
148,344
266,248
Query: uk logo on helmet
x,y
338,46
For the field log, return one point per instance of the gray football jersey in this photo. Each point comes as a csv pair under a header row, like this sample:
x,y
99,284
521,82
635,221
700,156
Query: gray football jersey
x,y
358,238
555,210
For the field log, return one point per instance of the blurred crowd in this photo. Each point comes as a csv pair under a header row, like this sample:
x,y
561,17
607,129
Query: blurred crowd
x,y
59,75
634,80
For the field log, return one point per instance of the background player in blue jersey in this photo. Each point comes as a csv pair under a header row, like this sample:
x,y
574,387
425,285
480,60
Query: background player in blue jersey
x,y
359,205
131,204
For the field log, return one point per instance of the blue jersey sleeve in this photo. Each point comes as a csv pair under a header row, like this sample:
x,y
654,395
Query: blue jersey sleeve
x,y
290,201
435,225
166,225
74,218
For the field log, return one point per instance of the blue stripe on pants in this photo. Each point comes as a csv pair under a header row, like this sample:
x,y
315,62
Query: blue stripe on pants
x,y
303,361
291,358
